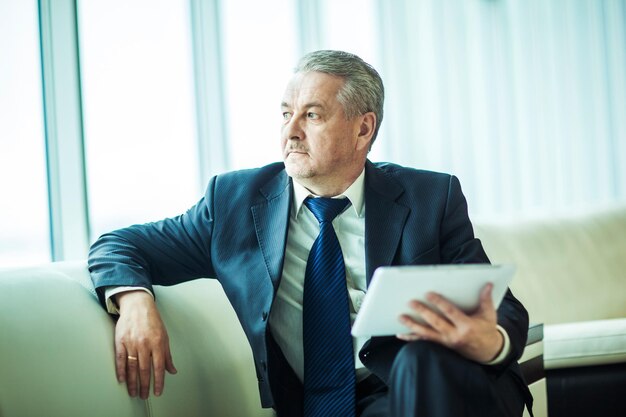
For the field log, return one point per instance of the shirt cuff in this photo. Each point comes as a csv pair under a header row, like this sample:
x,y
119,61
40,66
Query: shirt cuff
x,y
506,348
109,292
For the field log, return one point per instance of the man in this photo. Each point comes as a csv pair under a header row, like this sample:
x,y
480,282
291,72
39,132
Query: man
x,y
257,232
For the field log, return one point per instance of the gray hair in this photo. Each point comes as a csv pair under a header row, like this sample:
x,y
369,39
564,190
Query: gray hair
x,y
363,90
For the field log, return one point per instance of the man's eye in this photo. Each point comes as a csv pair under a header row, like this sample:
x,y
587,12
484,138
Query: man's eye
x,y
286,115
312,115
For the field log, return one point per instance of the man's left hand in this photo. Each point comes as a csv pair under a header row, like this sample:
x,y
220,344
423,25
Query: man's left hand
x,y
474,336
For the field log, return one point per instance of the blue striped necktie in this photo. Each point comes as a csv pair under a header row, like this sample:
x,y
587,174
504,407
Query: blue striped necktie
x,y
329,378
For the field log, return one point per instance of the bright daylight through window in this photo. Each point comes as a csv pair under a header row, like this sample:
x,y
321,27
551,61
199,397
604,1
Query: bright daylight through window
x,y
138,100
24,227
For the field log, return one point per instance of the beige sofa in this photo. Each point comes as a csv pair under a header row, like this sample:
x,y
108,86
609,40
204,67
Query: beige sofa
x,y
572,277
56,351
56,342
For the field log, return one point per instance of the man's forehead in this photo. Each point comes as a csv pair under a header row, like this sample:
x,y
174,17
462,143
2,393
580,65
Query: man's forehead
x,y
312,89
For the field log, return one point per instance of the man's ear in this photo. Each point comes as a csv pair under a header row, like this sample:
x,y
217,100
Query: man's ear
x,y
366,129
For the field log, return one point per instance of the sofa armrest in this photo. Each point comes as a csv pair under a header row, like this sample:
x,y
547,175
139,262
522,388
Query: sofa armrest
x,y
586,368
589,343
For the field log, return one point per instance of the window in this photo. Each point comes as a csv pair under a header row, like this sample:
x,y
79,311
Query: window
x,y
24,223
138,101
260,54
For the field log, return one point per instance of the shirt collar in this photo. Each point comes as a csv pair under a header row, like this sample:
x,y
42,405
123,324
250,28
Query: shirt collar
x,y
354,193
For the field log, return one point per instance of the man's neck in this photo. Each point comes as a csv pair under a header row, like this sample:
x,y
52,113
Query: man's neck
x,y
355,193
328,187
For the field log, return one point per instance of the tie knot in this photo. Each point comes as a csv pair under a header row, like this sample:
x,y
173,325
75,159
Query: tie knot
x,y
326,209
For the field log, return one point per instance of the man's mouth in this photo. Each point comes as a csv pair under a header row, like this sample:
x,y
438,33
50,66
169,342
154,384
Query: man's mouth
x,y
297,151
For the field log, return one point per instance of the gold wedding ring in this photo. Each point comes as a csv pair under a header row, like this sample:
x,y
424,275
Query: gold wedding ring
x,y
132,358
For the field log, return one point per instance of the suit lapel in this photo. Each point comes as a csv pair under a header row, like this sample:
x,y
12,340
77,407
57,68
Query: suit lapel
x,y
384,218
271,220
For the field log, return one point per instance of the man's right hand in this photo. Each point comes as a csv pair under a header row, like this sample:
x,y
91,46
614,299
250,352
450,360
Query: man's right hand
x,y
141,344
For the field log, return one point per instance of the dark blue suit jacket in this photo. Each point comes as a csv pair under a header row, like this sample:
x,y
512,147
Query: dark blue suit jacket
x,y
237,234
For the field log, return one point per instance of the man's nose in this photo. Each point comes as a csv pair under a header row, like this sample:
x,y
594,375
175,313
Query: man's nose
x,y
292,130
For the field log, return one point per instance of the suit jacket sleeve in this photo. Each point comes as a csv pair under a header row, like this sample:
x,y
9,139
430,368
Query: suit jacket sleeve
x,y
458,245
166,252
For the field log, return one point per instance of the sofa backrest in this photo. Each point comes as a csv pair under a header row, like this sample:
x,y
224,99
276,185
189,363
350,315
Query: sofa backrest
x,y
569,269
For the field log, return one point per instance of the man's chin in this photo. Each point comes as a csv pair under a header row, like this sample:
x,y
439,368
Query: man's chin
x,y
297,171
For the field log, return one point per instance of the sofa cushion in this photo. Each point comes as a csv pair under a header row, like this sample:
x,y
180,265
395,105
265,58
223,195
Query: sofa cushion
x,y
587,343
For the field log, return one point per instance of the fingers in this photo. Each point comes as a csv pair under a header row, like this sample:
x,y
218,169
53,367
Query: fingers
x,y
120,362
132,365
140,368
162,361
486,301
417,331
169,363
159,374
437,324
474,335
137,369
142,351
126,366
445,307
145,372
159,365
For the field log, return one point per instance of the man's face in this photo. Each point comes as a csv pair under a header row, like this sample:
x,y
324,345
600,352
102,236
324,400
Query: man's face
x,y
319,143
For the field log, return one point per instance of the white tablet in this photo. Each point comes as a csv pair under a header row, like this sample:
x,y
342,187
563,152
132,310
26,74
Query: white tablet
x,y
393,287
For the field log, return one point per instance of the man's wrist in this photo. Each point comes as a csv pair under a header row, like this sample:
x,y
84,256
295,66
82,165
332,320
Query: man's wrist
x,y
111,294
504,351
132,297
